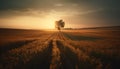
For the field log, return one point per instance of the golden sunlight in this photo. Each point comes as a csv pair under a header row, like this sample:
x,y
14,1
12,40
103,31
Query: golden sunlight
x,y
47,21
31,22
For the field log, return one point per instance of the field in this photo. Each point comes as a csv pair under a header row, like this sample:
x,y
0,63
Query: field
x,y
96,48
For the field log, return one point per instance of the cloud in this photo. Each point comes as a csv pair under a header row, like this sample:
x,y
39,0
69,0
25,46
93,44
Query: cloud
x,y
91,11
59,5
75,12
22,12
73,9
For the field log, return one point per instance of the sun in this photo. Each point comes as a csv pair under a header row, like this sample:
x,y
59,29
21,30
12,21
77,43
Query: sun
x,y
49,21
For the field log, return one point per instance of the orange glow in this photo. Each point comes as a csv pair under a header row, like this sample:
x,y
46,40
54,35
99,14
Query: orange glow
x,y
31,22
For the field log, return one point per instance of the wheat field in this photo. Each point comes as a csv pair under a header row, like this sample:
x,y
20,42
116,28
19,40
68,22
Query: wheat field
x,y
67,49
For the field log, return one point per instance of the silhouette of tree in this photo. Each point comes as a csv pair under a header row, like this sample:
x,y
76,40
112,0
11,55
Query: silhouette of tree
x,y
59,24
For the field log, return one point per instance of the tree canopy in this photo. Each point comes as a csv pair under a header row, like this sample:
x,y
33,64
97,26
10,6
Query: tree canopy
x,y
59,24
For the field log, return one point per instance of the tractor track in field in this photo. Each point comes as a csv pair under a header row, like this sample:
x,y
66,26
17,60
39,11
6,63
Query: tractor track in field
x,y
61,59
39,54
53,52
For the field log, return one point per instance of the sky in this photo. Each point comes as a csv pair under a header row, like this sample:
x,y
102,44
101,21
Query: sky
x,y
41,14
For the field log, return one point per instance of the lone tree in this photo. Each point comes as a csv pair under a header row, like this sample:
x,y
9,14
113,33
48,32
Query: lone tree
x,y
59,24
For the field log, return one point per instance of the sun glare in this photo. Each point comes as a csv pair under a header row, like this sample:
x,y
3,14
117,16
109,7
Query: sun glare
x,y
49,21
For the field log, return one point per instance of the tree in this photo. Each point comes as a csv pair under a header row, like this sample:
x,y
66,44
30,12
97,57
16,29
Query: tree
x,y
59,24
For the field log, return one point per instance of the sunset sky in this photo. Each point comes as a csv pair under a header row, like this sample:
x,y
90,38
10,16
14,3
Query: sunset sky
x,y
41,14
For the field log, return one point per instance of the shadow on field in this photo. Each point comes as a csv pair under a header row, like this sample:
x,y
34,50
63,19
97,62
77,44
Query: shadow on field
x,y
81,37
68,58
40,61
107,61
13,45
